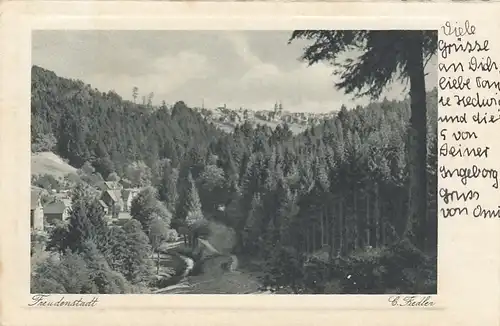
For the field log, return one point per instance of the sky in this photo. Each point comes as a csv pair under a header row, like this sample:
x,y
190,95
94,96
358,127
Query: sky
x,y
250,69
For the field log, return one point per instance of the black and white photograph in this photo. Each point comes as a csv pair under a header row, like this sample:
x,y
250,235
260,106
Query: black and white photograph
x,y
234,162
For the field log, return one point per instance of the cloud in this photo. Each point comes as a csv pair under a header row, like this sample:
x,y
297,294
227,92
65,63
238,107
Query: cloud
x,y
167,74
242,48
252,69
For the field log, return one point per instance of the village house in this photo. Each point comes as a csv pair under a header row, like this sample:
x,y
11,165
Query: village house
x,y
36,210
117,201
113,200
58,209
104,207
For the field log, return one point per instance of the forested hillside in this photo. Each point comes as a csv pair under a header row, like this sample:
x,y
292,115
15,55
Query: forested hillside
x,y
83,124
338,189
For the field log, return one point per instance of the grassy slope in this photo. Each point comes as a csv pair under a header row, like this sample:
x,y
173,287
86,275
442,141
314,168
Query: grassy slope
x,y
50,163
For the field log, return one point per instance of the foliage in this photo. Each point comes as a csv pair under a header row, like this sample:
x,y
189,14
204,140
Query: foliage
x,y
172,235
103,129
105,279
69,274
116,253
137,266
167,186
57,237
333,191
385,50
146,208
38,242
401,54
46,181
139,174
113,176
159,233
284,269
43,143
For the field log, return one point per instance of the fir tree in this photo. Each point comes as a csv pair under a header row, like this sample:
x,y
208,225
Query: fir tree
x,y
136,265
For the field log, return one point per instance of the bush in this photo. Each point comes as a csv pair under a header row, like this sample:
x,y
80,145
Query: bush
x,y
400,268
397,269
38,242
47,182
284,268
43,143
69,274
46,285
172,235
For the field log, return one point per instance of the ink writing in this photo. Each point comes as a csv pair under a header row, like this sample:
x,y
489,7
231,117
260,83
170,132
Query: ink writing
x,y
469,95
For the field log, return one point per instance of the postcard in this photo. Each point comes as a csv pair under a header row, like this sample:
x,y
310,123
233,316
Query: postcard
x,y
274,163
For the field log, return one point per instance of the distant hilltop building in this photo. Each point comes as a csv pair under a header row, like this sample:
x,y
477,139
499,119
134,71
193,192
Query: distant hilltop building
x,y
278,109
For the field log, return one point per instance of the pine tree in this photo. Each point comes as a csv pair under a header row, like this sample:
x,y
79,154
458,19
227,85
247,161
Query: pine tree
x,y
167,188
288,218
159,231
193,207
253,228
80,227
137,265
117,252
145,207
389,50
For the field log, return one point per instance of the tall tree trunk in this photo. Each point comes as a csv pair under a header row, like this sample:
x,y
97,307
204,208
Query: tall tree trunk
x,y
376,217
368,224
314,237
322,226
331,229
307,239
342,232
417,219
355,229
158,263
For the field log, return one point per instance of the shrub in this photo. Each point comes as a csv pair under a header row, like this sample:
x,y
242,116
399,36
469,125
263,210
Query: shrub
x,y
38,242
69,274
47,182
397,268
284,268
172,235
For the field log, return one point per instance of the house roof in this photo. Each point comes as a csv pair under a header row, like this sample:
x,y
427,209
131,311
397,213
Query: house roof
x,y
112,185
56,207
103,204
115,195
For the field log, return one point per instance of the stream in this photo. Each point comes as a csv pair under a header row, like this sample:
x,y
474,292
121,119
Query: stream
x,y
181,284
232,281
